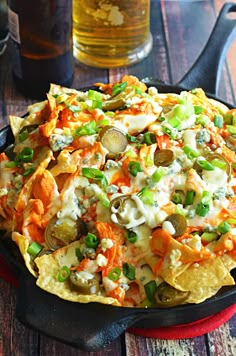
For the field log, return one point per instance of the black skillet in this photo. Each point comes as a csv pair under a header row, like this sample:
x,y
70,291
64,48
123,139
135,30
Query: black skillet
x,y
93,326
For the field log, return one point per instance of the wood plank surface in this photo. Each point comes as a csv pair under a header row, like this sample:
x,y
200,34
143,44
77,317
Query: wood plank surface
x,y
180,31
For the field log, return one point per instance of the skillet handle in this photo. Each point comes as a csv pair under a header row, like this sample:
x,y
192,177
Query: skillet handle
x,y
88,327
205,72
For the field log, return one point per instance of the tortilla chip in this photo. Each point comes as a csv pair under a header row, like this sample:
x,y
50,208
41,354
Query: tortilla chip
x,y
23,245
49,265
16,124
207,275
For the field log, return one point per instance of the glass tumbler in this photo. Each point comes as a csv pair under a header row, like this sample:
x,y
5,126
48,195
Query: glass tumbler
x,y
111,33
3,26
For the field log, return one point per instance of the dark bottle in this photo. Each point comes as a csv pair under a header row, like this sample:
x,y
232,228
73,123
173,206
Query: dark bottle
x,y
41,44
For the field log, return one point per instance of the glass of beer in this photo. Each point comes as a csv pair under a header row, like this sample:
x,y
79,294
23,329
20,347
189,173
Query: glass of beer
x,y
111,33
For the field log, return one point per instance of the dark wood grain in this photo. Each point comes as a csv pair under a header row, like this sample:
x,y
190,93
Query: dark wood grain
x,y
180,30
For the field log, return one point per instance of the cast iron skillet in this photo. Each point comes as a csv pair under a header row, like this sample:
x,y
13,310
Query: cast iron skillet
x,y
93,326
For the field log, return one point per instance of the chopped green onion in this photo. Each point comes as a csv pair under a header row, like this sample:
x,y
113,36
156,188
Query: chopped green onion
x,y
177,197
209,236
170,132
96,99
131,236
231,129
63,274
161,118
131,154
138,90
29,171
198,109
118,88
179,210
78,254
190,152
194,91
10,164
149,138
26,155
23,136
134,168
91,240
218,163
103,122
129,271
206,197
158,174
147,304
223,228
174,122
147,196
114,274
131,138
104,199
88,129
228,118
202,209
204,164
34,249
189,197
74,108
95,174
202,120
218,121
150,289
183,110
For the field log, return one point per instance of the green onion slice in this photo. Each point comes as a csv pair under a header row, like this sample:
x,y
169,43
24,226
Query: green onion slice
x,y
198,109
78,254
114,274
218,121
134,167
34,248
204,164
223,228
29,171
174,122
129,271
131,236
26,155
95,174
146,195
150,289
10,164
91,240
190,152
118,88
149,138
202,209
63,274
209,236
88,129
158,174
23,136
189,197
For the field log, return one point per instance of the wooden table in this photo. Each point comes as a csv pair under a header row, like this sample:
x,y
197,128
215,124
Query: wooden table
x,y
180,30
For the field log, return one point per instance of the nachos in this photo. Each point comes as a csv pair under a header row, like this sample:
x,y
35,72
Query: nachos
x,y
123,195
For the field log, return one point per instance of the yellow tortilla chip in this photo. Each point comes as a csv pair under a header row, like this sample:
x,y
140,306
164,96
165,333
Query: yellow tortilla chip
x,y
16,124
23,245
209,273
49,266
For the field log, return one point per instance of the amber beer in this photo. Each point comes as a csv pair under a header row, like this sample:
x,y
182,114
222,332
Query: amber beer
x,y
111,33
41,44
